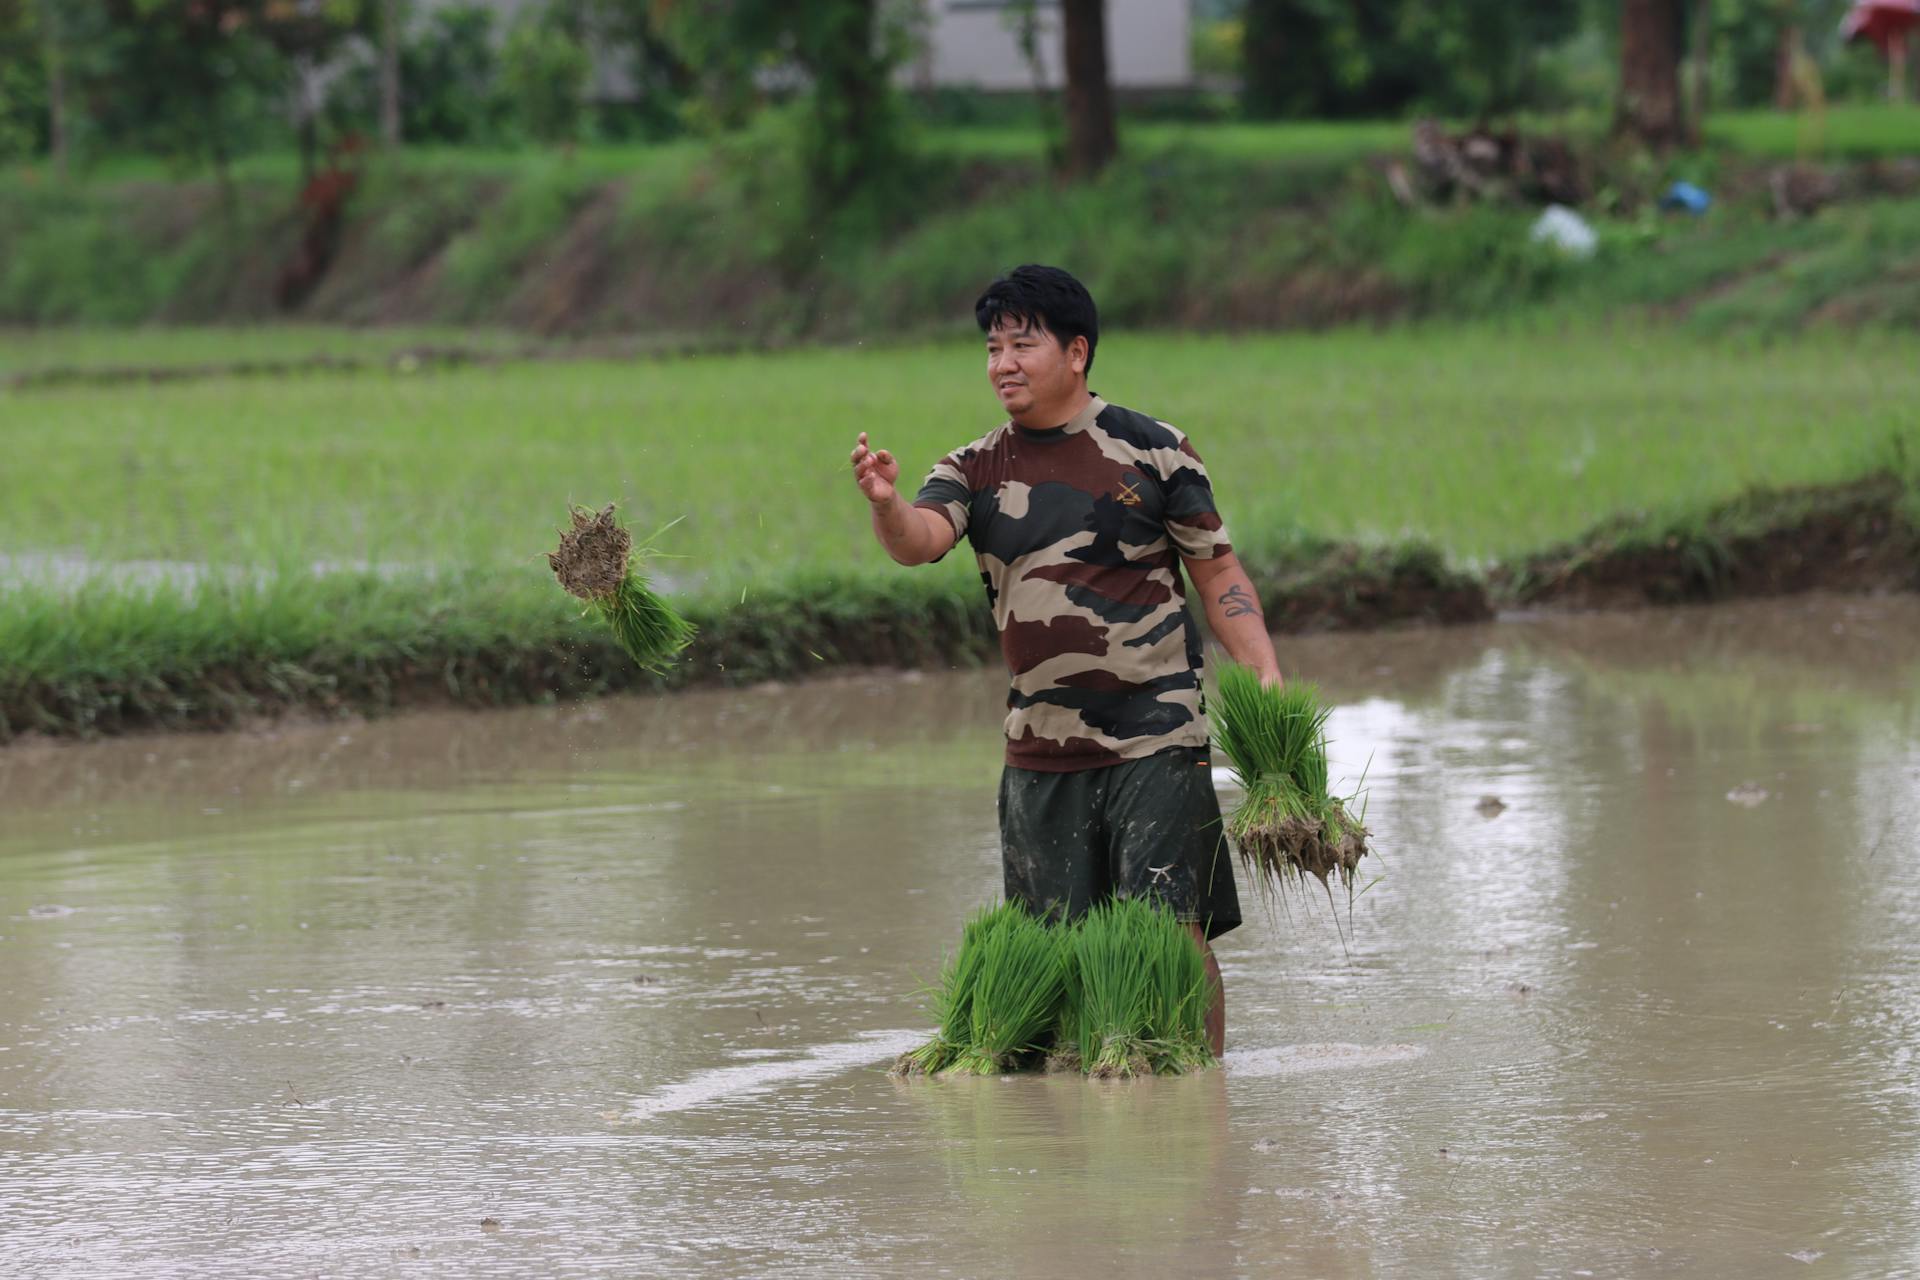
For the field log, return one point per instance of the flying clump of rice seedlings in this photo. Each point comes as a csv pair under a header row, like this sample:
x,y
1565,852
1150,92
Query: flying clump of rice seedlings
x,y
1288,824
597,563
1122,992
1137,994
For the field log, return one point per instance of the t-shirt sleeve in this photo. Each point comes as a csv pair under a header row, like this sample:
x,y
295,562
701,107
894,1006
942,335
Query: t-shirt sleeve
x,y
945,490
1193,522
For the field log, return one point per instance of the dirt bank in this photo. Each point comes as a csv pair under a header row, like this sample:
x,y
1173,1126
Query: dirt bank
x,y
713,250
1855,537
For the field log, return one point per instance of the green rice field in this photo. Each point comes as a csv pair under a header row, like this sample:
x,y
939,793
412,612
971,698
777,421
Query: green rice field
x,y
366,523
1488,443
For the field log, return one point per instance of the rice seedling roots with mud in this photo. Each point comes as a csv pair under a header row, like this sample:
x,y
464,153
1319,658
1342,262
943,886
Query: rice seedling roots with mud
x,y
1121,992
1288,824
596,562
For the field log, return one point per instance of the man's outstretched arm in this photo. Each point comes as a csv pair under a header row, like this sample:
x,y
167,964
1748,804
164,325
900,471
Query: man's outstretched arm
x,y
910,534
1233,613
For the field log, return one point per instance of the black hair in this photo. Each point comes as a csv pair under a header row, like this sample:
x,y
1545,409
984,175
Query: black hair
x,y
1045,297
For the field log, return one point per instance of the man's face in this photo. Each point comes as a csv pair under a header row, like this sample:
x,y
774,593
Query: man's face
x,y
1029,370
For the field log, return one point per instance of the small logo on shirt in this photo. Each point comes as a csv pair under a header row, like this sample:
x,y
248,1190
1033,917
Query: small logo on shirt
x,y
1129,494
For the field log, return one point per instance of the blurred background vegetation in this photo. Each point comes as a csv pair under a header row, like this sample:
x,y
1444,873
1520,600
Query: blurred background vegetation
x,y
766,171
204,81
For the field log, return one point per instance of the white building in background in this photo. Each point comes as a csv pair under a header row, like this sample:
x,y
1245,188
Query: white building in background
x,y
973,44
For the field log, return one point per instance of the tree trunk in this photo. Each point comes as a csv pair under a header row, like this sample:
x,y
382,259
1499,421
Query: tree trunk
x,y
1786,59
390,72
1702,56
1091,137
56,107
215,140
853,136
1264,48
1649,106
306,111
1029,36
660,57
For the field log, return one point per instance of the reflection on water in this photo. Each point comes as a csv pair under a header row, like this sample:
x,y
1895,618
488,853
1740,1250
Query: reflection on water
x,y
610,988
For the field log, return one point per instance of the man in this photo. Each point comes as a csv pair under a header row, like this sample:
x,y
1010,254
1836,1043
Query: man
x,y
1080,514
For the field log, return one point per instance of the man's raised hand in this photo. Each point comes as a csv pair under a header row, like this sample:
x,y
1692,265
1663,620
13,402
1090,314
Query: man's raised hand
x,y
874,471
911,535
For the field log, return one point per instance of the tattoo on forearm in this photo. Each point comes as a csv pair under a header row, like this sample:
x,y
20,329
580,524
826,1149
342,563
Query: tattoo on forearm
x,y
1239,602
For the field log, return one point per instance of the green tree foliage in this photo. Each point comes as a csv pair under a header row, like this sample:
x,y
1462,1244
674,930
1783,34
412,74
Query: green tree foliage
x,y
844,49
1385,57
202,81
544,69
1748,36
632,32
199,80
449,78
24,52
464,82
1479,56
1312,57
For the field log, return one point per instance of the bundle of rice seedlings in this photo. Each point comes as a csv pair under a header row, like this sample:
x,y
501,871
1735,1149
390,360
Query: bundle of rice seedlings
x,y
1180,996
1017,994
596,562
1288,823
1137,994
951,1001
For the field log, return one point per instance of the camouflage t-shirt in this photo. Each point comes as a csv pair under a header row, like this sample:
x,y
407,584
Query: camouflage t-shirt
x,y
1078,531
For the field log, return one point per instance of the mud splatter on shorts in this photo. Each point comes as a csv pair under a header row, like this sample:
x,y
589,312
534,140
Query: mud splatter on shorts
x,y
1142,827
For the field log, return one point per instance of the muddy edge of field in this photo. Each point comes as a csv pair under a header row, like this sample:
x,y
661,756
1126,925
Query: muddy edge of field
x,y
1858,537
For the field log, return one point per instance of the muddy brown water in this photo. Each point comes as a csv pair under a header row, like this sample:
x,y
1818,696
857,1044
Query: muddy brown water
x,y
608,989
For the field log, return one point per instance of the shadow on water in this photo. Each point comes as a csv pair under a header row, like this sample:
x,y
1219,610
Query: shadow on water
x,y
621,980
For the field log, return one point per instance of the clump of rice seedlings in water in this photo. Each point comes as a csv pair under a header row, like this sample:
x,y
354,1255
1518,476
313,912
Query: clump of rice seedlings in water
x,y
1106,1011
1137,994
951,1002
1017,994
1123,992
1288,823
1180,995
596,562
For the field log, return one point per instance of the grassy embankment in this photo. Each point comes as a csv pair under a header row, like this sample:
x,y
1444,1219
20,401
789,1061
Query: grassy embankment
x,y
1362,474
1212,227
1357,470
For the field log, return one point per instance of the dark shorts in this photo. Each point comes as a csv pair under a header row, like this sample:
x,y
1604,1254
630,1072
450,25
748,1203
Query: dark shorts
x,y
1142,827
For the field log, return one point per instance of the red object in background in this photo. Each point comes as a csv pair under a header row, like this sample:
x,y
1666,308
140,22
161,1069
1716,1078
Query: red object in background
x,y
1885,22
324,200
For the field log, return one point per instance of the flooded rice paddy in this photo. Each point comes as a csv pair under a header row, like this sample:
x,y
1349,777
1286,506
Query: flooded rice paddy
x,y
609,989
